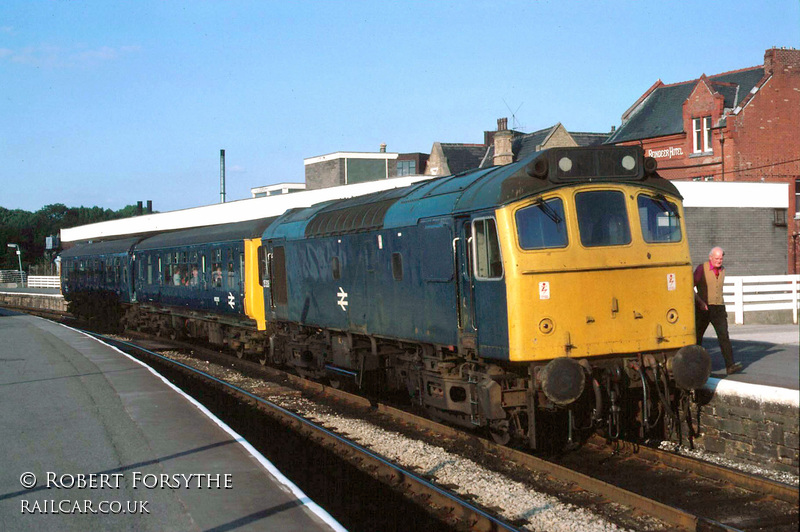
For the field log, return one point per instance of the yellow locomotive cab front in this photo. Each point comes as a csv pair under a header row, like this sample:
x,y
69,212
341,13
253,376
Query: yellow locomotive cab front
x,y
596,270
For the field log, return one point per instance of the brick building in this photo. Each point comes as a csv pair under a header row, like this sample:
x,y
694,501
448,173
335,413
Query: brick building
x,y
735,126
347,168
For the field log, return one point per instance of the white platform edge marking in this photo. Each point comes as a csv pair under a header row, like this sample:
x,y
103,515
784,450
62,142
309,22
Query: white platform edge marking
x,y
269,466
756,392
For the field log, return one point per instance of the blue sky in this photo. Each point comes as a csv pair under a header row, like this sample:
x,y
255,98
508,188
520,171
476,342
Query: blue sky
x,y
106,103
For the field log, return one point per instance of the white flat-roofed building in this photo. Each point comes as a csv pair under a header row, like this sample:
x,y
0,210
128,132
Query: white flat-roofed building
x,y
277,189
233,211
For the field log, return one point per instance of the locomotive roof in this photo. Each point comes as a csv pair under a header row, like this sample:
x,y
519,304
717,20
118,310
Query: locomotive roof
x,y
208,234
99,248
476,190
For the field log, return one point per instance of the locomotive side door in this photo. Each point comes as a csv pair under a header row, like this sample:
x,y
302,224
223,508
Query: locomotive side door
x,y
490,312
462,244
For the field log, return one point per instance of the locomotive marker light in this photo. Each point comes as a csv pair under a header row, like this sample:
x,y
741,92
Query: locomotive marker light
x,y
691,367
563,380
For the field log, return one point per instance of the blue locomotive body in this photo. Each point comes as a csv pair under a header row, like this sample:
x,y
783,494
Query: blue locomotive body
x,y
394,265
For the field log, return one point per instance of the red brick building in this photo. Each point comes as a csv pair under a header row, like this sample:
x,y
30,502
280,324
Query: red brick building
x,y
735,126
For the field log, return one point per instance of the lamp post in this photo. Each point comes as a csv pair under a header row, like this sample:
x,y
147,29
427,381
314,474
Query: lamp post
x,y
19,260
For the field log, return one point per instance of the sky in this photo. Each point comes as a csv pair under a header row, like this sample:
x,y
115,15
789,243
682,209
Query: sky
x,y
108,103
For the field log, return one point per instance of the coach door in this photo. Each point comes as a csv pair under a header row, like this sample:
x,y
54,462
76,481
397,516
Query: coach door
x,y
275,285
467,327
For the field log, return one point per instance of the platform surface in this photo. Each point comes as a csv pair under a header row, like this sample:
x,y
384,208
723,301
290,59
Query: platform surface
x,y
73,408
770,354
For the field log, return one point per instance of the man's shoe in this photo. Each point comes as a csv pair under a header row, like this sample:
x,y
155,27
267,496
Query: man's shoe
x,y
736,367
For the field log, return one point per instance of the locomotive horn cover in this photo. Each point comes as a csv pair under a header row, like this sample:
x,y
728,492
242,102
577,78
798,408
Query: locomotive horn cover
x,y
691,367
563,380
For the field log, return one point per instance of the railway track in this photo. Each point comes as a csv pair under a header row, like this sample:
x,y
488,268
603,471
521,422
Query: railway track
x,y
451,510
678,491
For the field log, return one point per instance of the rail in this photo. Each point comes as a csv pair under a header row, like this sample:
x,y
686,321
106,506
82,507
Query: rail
x,y
44,281
761,293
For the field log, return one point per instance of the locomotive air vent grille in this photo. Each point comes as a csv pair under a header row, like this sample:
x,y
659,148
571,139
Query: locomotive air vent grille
x,y
350,220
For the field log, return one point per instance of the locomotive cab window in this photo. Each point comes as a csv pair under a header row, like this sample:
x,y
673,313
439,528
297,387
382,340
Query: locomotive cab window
x,y
659,219
602,218
542,225
486,249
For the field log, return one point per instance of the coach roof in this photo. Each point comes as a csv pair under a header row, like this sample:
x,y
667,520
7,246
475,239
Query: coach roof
x,y
206,235
108,247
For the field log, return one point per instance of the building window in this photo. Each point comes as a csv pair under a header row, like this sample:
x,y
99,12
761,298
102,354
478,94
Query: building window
x,y
701,135
406,168
797,198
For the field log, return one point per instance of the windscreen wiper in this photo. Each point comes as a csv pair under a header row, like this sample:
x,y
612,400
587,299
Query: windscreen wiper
x,y
548,210
664,203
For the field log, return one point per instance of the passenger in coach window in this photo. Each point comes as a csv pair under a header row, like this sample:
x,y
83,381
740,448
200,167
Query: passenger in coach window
x,y
216,277
195,279
709,278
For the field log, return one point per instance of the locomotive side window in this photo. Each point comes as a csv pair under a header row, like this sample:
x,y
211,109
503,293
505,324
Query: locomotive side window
x,y
602,218
486,249
659,219
542,225
397,266
336,269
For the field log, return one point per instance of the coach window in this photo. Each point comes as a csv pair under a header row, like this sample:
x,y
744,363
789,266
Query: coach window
x,y
231,273
397,266
216,269
659,219
542,225
488,262
602,218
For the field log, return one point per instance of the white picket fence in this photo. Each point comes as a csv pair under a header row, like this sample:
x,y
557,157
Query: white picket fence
x,y
761,292
44,281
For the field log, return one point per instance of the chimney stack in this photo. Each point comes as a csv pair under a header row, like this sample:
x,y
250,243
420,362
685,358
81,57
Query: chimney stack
x,y
383,147
503,152
149,206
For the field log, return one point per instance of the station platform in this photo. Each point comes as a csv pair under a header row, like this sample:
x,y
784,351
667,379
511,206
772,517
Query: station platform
x,y
91,439
770,354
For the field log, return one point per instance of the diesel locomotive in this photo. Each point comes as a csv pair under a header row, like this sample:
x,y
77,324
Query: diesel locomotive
x,y
558,287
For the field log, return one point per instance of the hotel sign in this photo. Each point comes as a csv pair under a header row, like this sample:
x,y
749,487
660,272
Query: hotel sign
x,y
669,153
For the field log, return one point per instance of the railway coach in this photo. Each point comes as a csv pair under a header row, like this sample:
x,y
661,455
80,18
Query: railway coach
x,y
561,284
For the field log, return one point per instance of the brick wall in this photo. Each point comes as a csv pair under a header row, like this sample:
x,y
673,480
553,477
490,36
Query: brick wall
x,y
325,174
753,244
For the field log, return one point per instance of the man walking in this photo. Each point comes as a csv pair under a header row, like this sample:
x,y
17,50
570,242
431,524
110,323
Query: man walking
x,y
710,308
